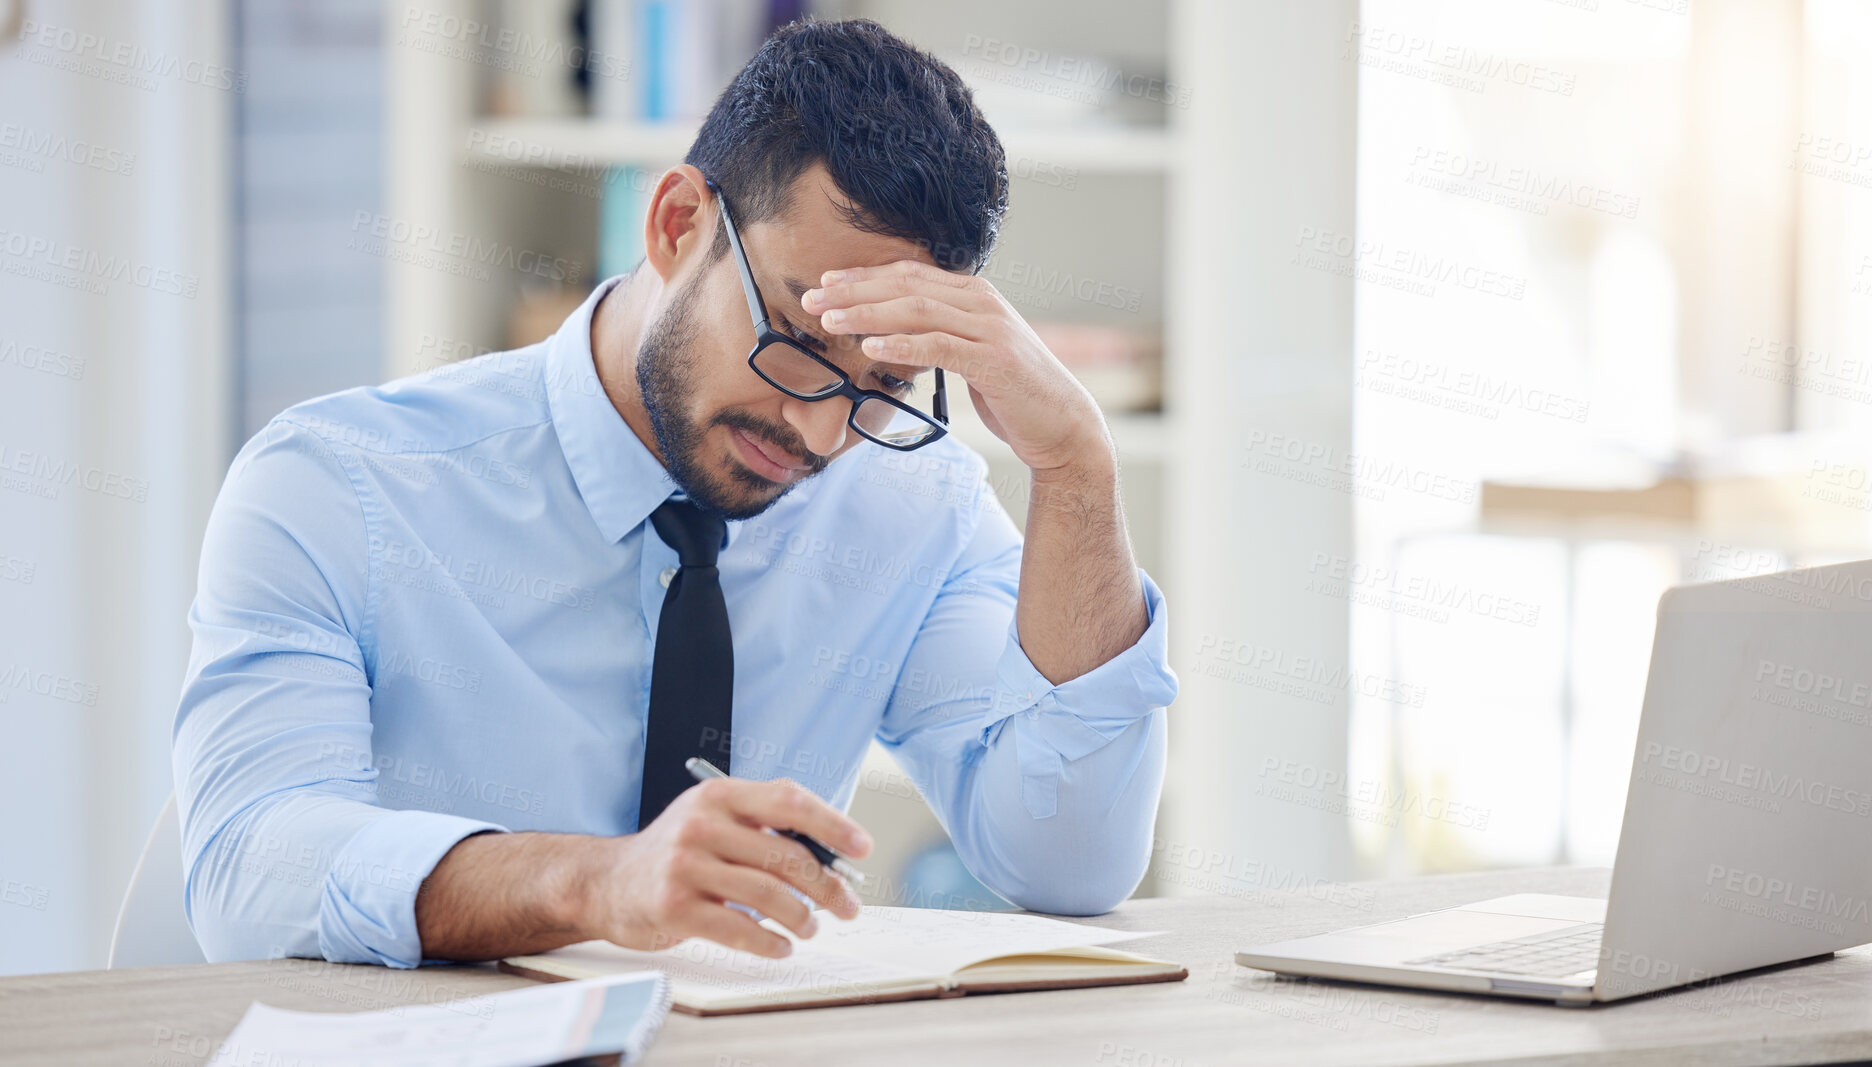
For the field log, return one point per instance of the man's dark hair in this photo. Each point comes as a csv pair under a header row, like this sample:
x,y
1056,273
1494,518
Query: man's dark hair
x,y
895,127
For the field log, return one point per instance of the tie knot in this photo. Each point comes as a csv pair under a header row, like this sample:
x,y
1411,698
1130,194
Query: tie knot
x,y
695,534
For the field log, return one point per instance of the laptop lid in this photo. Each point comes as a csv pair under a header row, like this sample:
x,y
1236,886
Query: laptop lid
x,y
1748,823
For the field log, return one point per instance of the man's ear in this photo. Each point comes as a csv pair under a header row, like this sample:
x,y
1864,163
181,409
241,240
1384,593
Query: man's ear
x,y
681,221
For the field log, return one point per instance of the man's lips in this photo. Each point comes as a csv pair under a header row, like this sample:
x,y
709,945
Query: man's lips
x,y
778,459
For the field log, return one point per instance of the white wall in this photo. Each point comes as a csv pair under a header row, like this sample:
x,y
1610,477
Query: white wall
x,y
113,142
1268,150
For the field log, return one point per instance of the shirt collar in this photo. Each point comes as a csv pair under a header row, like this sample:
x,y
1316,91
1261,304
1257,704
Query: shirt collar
x,y
619,479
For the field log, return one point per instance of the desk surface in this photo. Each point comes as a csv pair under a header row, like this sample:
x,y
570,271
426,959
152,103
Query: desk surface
x,y
1817,1013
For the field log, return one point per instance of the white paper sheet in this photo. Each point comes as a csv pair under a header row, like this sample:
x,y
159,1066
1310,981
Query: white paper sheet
x,y
521,1028
943,942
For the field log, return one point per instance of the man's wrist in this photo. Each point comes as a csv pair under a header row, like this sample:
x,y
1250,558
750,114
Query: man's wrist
x,y
1092,471
571,882
1092,452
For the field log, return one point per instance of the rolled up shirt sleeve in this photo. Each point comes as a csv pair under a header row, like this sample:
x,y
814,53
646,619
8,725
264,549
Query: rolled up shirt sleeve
x,y
1049,791
286,851
1058,724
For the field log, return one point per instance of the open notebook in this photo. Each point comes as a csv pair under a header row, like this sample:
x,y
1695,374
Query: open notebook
x,y
884,954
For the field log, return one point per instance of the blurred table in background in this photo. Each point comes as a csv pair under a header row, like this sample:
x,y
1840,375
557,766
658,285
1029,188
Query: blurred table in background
x,y
1529,632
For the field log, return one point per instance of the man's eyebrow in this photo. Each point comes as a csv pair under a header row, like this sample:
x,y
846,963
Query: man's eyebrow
x,y
798,288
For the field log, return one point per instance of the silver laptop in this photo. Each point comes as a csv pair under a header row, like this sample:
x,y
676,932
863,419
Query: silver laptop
x,y
1748,823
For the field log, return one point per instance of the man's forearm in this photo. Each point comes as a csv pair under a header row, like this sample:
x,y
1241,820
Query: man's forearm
x,y
496,895
1080,600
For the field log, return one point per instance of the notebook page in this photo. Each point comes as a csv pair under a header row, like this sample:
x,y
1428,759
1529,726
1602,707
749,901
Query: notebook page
x,y
701,970
942,942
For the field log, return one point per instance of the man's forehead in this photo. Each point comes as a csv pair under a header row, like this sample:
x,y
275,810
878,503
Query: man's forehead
x,y
821,229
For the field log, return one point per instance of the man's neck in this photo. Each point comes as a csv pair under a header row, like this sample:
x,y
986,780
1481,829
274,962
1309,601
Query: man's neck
x,y
618,325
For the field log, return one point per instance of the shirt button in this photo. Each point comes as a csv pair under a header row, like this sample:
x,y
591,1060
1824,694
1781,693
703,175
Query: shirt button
x,y
668,574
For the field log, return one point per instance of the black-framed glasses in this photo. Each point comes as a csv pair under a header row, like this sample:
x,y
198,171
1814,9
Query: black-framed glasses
x,y
893,416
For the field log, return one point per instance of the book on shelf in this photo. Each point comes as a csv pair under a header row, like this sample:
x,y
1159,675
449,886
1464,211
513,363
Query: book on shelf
x,y
886,954
682,54
625,198
1121,367
611,26
530,59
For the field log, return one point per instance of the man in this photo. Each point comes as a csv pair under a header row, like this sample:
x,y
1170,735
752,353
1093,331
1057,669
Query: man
x,y
455,636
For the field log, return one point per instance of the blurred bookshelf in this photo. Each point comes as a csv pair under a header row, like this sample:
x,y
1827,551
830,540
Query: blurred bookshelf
x,y
494,141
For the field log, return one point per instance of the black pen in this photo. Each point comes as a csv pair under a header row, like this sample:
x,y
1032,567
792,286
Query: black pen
x,y
704,770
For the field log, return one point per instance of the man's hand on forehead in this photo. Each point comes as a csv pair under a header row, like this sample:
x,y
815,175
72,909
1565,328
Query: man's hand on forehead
x,y
915,314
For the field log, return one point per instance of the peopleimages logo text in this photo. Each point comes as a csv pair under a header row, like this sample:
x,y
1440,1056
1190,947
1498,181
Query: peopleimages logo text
x,y
1752,776
1814,683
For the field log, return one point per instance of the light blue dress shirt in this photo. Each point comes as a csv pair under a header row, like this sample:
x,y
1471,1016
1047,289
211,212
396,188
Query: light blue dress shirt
x,y
428,610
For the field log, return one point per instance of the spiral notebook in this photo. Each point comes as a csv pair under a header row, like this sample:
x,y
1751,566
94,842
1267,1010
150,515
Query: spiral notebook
x,y
885,954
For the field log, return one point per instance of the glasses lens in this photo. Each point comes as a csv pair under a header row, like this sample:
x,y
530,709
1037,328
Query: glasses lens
x,y
892,424
795,371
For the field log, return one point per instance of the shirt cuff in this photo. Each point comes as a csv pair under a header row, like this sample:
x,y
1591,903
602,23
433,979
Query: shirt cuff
x,y
1057,723
368,914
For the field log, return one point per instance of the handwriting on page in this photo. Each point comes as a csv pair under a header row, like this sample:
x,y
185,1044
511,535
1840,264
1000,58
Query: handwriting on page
x,y
810,967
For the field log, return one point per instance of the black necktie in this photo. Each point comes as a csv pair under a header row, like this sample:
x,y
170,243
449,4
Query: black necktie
x,y
692,674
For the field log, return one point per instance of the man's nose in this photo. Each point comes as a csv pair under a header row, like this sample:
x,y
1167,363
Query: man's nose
x,y
821,423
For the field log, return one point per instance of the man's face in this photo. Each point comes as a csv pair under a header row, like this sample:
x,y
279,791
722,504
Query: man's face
x,y
732,441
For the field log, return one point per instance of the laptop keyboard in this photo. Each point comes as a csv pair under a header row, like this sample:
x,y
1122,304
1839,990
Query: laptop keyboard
x,y
1549,955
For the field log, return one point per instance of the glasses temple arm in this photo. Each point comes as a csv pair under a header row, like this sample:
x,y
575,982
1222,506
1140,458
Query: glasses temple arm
x,y
756,306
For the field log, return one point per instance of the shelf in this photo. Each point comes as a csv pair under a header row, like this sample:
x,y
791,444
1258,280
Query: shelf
x,y
1111,150
577,142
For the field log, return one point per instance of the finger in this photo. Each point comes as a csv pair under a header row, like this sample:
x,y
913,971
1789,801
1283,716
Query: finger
x,y
732,929
882,287
736,840
906,314
787,805
927,271
788,860
764,892
977,363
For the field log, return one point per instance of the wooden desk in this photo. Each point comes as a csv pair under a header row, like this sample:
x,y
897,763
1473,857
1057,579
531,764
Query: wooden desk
x,y
1820,1013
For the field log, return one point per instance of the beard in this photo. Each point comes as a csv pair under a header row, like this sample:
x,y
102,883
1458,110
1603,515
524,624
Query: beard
x,y
666,376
